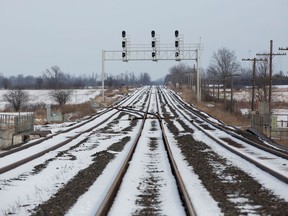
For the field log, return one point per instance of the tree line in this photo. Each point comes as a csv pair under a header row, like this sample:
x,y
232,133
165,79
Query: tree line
x,y
225,70
55,78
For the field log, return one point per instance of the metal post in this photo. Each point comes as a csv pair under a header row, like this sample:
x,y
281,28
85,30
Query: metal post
x,y
253,84
197,77
103,60
231,93
270,79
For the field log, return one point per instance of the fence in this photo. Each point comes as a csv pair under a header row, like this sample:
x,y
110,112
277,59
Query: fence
x,y
279,125
14,124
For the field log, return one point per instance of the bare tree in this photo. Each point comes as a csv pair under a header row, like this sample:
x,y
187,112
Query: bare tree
x,y
39,82
262,80
6,83
52,77
224,64
179,74
61,96
145,79
17,99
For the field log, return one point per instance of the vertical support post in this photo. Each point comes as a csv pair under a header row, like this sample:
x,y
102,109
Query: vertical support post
x,y
198,94
270,86
194,90
213,89
270,76
103,60
253,84
48,113
232,93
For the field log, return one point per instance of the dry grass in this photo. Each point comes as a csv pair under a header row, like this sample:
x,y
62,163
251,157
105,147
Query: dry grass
x,y
283,142
74,111
216,110
78,111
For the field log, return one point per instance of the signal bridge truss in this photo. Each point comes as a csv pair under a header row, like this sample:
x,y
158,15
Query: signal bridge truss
x,y
144,53
155,52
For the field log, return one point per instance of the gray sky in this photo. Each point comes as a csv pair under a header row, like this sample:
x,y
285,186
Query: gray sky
x,y
36,35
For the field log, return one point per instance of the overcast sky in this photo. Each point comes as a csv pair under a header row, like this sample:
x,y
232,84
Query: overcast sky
x,y
36,35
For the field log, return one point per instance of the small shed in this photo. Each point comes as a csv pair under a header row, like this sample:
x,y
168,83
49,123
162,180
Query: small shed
x,y
15,124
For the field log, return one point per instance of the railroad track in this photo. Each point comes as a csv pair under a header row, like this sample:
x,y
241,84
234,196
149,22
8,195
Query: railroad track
x,y
21,155
149,154
146,209
272,147
240,146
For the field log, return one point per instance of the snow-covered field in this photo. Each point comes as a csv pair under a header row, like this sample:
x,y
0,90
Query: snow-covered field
x,y
42,96
279,94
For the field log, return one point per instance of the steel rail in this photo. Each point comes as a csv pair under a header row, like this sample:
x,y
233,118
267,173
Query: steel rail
x,y
91,118
110,196
190,210
278,152
58,145
256,163
54,147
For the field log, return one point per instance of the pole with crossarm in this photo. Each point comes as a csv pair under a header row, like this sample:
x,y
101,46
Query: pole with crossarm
x,y
254,60
270,54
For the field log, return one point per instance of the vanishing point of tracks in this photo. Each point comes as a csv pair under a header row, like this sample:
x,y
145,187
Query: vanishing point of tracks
x,y
162,130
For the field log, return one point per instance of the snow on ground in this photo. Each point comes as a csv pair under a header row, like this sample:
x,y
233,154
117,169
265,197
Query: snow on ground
x,y
202,201
140,168
42,96
36,190
279,93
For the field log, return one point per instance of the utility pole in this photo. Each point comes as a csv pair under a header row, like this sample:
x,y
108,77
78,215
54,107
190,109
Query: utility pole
x,y
253,78
231,94
270,54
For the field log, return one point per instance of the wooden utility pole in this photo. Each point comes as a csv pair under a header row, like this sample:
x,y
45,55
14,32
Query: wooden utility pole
x,y
270,54
253,78
231,93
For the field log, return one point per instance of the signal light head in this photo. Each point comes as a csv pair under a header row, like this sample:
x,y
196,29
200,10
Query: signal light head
x,y
123,34
123,44
176,43
153,33
176,33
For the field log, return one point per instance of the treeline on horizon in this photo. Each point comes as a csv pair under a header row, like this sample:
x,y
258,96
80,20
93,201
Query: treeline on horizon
x,y
225,68
55,78
182,74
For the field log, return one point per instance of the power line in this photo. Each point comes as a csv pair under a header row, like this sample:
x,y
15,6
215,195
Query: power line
x,y
270,54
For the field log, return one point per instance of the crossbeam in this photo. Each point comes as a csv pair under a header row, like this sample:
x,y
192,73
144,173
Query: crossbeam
x,y
154,52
